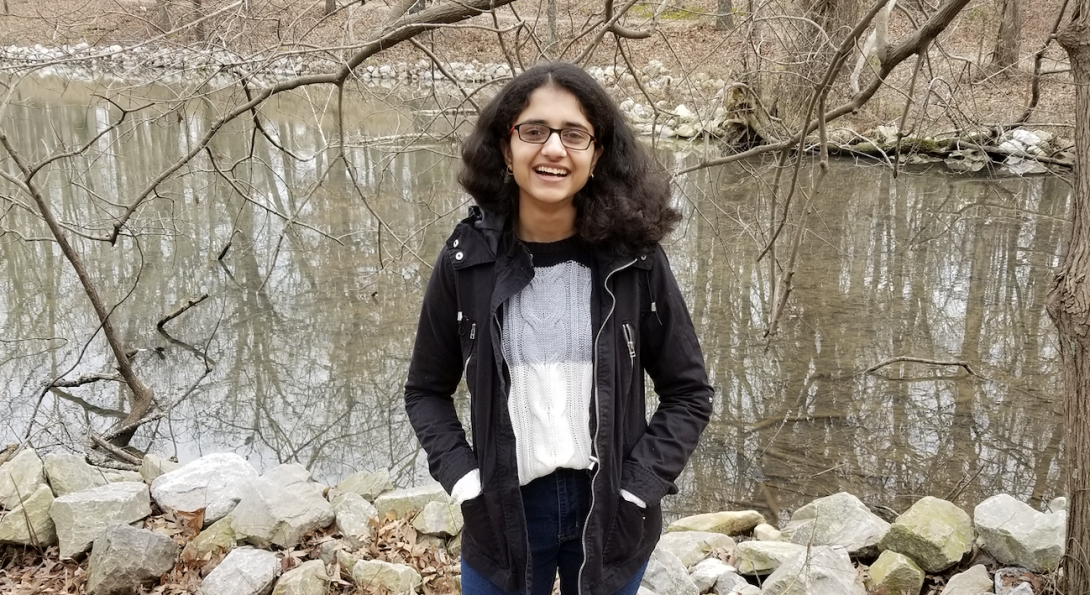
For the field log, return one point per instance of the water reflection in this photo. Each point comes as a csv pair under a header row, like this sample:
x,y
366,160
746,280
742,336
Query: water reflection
x,y
312,307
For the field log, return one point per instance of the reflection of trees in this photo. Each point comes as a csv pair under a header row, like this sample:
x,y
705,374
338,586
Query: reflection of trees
x,y
933,267
313,310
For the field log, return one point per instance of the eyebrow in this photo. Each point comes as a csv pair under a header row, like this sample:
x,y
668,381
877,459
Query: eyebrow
x,y
565,124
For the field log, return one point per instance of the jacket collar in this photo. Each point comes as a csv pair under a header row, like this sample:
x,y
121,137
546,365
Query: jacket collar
x,y
481,236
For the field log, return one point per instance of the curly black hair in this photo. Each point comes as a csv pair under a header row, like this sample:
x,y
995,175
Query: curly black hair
x,y
624,207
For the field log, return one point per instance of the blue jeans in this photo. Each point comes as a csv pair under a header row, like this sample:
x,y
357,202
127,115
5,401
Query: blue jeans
x,y
556,508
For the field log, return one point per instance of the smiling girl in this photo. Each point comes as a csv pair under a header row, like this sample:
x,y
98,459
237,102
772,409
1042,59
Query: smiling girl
x,y
552,300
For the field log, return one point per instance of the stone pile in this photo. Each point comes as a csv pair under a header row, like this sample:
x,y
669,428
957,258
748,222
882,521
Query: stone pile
x,y
834,545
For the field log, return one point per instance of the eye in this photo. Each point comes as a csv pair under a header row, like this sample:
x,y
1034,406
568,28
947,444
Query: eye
x,y
575,135
533,132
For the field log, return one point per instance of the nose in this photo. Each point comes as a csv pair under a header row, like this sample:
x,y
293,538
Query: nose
x,y
553,146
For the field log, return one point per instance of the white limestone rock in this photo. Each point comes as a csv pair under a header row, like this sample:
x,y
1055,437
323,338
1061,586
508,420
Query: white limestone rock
x,y
407,502
693,546
41,530
766,532
19,477
819,570
217,537
935,533
245,571
152,466
731,523
895,574
666,573
1016,534
69,473
280,509
354,515
215,482
82,516
840,519
971,582
398,578
706,573
308,578
369,484
124,558
439,518
763,557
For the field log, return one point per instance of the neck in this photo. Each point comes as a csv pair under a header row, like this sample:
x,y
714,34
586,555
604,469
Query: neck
x,y
545,226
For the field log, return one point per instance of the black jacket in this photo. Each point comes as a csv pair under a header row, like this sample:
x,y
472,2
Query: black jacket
x,y
641,324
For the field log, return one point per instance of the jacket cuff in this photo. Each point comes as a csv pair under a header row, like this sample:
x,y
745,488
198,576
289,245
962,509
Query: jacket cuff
x,y
644,484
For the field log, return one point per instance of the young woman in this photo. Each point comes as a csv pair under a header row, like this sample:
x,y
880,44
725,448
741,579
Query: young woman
x,y
552,299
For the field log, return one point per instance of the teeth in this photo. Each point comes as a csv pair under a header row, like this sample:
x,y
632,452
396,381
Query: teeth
x,y
549,170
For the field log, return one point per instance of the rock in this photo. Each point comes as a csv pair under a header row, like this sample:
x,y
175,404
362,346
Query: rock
x,y
1057,504
308,578
154,465
82,516
438,518
368,484
766,532
69,473
407,502
215,482
245,571
730,583
124,558
967,160
933,532
40,531
706,573
280,509
728,522
666,573
895,574
971,582
217,537
693,546
19,477
1014,533
762,557
354,515
840,519
398,578
819,570
123,476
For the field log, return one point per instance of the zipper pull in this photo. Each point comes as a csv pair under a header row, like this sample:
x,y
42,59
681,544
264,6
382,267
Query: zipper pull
x,y
628,339
473,331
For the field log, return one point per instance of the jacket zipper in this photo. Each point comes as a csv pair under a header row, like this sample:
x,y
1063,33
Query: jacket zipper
x,y
598,409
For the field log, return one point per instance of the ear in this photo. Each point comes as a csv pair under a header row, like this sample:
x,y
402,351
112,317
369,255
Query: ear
x,y
505,148
597,154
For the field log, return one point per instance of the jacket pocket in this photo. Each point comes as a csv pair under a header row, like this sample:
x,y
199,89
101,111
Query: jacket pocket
x,y
477,531
626,532
467,335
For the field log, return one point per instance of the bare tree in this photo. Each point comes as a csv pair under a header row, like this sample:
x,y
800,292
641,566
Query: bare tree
x,y
1069,307
1008,40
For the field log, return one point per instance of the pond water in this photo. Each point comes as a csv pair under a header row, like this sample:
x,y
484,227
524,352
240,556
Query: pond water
x,y
314,267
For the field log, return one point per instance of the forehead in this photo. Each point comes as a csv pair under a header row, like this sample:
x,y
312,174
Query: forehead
x,y
554,106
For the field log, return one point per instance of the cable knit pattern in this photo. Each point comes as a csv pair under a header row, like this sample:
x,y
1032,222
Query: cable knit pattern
x,y
548,344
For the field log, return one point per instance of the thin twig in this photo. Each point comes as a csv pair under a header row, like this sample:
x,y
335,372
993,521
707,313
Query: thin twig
x,y
920,360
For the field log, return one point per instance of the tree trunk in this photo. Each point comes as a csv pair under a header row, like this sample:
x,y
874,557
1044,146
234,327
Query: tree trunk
x,y
198,13
1007,43
330,6
1069,307
724,20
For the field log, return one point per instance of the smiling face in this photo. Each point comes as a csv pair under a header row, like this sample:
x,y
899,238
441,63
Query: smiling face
x,y
549,175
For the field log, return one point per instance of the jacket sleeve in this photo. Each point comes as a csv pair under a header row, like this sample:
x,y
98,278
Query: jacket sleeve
x,y
671,355
434,372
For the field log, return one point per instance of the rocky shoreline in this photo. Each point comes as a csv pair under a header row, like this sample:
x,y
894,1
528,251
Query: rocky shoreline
x,y
216,527
720,114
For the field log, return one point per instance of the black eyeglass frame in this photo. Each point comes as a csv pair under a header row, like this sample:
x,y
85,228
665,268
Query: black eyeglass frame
x,y
559,131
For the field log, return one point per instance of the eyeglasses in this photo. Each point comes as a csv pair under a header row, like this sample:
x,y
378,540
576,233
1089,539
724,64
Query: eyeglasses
x,y
538,134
